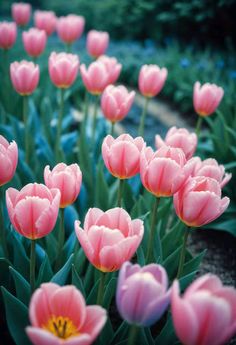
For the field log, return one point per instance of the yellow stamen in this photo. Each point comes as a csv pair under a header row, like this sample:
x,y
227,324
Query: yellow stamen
x,y
61,326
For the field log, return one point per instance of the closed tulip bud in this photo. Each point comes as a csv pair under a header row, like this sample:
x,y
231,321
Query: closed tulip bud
x,y
9,159
33,210
151,80
21,13
45,20
8,32
206,313
179,138
70,28
199,201
122,155
95,78
206,98
67,178
24,77
116,102
34,41
109,238
112,66
97,43
63,69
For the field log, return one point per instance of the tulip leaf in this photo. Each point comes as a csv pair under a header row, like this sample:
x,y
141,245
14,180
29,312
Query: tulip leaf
x,y
109,292
157,245
171,263
107,332
21,285
101,189
4,272
186,280
227,225
193,264
167,335
77,281
88,280
140,256
92,296
21,260
121,333
172,239
45,271
61,276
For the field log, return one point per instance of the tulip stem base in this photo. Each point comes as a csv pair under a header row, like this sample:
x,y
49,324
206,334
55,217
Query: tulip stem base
x,y
120,192
152,230
182,254
59,125
25,118
101,288
3,241
198,126
133,335
61,238
32,265
143,117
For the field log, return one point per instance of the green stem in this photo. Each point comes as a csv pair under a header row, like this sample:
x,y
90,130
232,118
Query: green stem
x,y
68,47
152,229
96,101
101,288
120,192
32,265
59,125
143,116
61,237
3,241
34,58
112,128
198,126
86,104
133,332
182,254
25,118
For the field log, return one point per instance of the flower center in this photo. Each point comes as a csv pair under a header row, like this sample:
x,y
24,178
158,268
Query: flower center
x,y
62,327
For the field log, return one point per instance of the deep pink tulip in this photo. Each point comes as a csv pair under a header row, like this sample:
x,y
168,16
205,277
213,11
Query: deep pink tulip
x,y
59,316
33,210
24,77
206,98
142,296
116,102
8,32
199,201
122,155
21,13
206,313
63,69
97,42
112,66
45,20
34,41
70,28
151,80
162,172
95,78
209,168
8,159
179,138
109,238
67,178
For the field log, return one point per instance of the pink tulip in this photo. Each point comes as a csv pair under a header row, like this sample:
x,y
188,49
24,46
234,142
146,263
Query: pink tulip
x,y
199,201
70,28
141,295
95,78
33,210
59,316
162,172
97,43
8,32
208,168
45,20
116,102
67,178
179,138
206,313
112,66
8,159
63,69
109,238
122,155
206,98
21,13
34,41
151,80
24,77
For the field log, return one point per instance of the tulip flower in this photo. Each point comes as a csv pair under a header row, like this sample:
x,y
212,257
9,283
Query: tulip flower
x,y
34,41
9,159
95,78
59,315
70,28
24,77
21,13
8,32
45,20
179,138
112,66
97,43
206,313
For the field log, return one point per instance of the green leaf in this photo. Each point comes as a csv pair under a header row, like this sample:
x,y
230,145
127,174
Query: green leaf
x,y
21,285
140,256
92,296
157,245
172,239
45,272
167,335
109,293
88,279
107,332
171,263
121,333
187,280
21,260
193,264
101,188
227,225
4,272
61,276
77,281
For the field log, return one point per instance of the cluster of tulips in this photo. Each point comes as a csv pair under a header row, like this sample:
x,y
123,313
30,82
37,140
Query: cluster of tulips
x,y
205,313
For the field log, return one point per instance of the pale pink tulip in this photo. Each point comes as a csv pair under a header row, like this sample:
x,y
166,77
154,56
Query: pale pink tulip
x,y
45,20
206,313
199,201
67,178
8,32
34,41
112,66
8,159
70,28
63,69
33,210
122,155
116,102
21,13
59,316
95,78
97,42
24,77
179,138
151,80
162,172
206,98
109,238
